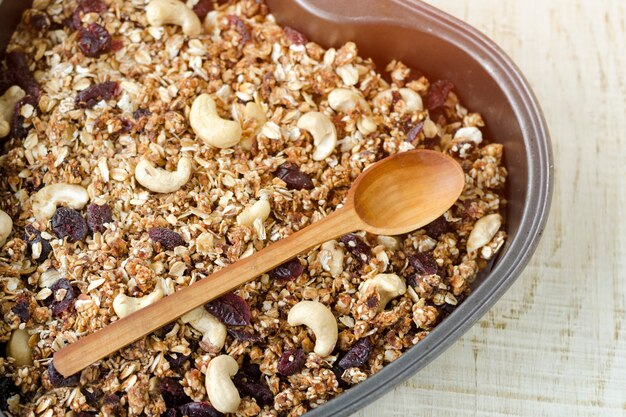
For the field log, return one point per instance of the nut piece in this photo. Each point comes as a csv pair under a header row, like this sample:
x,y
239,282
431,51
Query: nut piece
x,y
46,200
349,74
470,133
387,286
161,12
345,100
317,317
412,100
124,305
323,131
210,127
162,181
259,210
213,331
222,392
6,226
7,106
19,349
484,230
331,258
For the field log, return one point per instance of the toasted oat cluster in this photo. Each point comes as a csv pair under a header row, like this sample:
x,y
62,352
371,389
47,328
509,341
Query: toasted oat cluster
x,y
149,144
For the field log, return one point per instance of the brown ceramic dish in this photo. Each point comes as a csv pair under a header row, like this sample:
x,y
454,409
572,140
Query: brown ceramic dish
x,y
487,81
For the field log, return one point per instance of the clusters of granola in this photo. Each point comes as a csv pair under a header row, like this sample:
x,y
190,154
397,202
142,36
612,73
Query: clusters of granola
x,y
104,90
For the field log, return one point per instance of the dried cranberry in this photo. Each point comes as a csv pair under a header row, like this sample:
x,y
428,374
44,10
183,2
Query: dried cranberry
x,y
357,355
244,335
414,132
172,392
59,307
288,271
357,247
251,370
203,8
18,130
169,239
139,113
38,21
193,410
33,237
240,27
98,216
438,94
93,395
92,95
437,227
293,177
94,40
177,362
291,362
21,75
423,263
92,6
69,223
230,309
7,390
295,36
338,371
21,308
248,386
57,380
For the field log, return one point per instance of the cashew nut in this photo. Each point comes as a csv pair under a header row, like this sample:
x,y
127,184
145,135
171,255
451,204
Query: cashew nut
x,y
124,305
213,331
6,226
323,131
210,127
412,100
472,134
349,74
160,12
387,286
7,106
259,210
46,200
317,317
345,100
484,230
162,181
331,258
222,392
19,349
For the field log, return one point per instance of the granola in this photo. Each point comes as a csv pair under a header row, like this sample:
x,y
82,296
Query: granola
x,y
105,91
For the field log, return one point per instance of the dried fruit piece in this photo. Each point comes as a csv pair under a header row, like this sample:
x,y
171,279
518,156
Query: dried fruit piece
x,y
172,392
57,380
202,8
139,113
37,20
98,216
438,94
86,414
241,28
37,244
21,75
244,335
177,361
291,362
357,355
7,390
414,132
230,309
21,308
295,36
94,40
249,384
437,227
61,288
112,405
293,177
357,247
193,410
423,263
288,271
69,223
92,6
18,130
169,239
93,395
92,95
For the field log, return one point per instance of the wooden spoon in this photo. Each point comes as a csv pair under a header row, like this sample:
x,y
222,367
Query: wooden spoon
x,y
396,195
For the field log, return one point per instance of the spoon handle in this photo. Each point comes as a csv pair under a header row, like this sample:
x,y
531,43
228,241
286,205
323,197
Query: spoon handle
x,y
87,350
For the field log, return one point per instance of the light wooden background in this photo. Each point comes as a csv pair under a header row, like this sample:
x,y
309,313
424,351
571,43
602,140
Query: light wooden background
x,y
555,344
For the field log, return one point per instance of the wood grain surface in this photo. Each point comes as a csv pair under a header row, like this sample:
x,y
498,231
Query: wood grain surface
x,y
555,344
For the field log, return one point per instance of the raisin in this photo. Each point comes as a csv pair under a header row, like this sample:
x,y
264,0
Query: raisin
x,y
437,227
92,95
139,113
248,386
169,239
172,392
94,40
414,132
230,309
38,21
58,307
7,390
69,223
357,355
338,371
240,27
33,237
357,247
21,74
176,362
57,380
244,335
446,309
295,36
203,8
98,216
293,177
423,263
288,271
93,395
438,94
193,410
251,370
21,308
18,130
291,362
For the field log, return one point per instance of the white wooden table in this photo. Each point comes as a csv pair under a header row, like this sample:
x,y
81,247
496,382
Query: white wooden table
x,y
555,344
